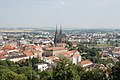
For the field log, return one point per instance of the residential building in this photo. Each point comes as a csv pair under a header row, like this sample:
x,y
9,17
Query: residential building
x,y
41,66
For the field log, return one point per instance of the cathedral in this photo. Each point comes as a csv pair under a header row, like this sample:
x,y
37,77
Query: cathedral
x,y
59,36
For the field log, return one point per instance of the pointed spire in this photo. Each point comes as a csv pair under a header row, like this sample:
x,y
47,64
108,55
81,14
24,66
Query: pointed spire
x,y
56,29
60,29
56,33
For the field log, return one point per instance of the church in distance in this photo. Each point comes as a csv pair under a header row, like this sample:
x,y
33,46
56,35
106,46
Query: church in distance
x,y
60,37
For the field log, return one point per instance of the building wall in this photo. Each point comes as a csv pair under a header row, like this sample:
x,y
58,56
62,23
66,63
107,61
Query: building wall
x,y
75,60
53,53
38,54
42,67
17,59
48,53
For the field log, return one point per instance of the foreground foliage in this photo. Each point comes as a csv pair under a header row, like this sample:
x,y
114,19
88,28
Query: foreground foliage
x,y
64,70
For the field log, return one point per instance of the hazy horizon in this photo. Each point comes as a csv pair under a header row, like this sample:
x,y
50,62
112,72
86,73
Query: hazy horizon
x,y
72,14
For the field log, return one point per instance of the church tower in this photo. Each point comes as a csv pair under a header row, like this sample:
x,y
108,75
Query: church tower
x,y
56,33
59,36
60,30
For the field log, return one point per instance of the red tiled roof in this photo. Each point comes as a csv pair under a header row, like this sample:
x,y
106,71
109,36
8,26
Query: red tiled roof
x,y
52,58
8,47
85,62
69,54
1,56
28,53
73,51
65,54
3,53
36,51
55,48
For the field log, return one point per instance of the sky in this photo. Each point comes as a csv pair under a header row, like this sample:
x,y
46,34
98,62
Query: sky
x,y
71,14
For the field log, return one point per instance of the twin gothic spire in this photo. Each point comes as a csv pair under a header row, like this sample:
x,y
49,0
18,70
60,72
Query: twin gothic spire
x,y
57,34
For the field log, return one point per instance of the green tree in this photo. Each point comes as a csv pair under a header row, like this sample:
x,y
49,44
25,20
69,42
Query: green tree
x,y
96,74
34,61
82,48
65,71
80,70
28,72
69,46
115,73
6,74
46,75
4,63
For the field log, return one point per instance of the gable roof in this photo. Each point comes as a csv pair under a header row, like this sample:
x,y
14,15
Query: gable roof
x,y
84,62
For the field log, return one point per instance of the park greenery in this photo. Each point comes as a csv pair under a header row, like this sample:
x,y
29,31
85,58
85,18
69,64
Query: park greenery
x,y
64,70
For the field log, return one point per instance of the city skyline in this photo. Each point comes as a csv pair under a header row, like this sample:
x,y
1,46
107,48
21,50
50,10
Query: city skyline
x,y
87,14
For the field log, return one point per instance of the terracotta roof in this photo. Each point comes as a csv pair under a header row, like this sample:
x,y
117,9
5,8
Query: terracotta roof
x,y
8,47
28,53
69,54
52,58
55,48
62,53
116,52
66,55
3,53
1,56
73,51
38,47
85,62
36,51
